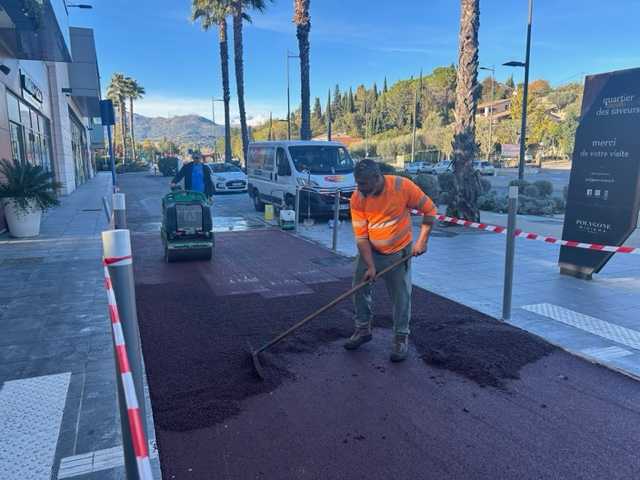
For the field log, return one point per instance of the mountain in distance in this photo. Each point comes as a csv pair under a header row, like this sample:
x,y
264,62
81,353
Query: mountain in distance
x,y
180,129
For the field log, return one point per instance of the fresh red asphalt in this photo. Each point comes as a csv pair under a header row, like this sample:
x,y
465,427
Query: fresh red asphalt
x,y
326,413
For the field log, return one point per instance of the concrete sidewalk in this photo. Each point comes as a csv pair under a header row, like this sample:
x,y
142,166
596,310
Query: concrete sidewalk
x,y
598,319
58,396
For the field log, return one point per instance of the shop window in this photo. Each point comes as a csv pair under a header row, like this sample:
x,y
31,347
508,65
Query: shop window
x,y
25,115
14,108
17,142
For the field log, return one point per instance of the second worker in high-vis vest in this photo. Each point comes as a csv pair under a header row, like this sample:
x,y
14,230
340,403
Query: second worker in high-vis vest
x,y
381,218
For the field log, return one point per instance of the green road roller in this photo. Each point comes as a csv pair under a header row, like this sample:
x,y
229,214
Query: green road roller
x,y
186,226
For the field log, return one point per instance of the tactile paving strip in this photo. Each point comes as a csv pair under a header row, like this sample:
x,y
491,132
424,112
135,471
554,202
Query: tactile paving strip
x,y
30,415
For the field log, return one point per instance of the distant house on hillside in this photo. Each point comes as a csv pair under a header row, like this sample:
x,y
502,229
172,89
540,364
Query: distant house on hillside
x,y
501,109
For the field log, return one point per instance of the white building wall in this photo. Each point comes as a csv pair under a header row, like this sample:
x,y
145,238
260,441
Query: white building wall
x,y
61,127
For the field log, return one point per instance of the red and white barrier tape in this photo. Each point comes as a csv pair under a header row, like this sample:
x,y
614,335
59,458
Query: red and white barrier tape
x,y
535,236
116,261
140,445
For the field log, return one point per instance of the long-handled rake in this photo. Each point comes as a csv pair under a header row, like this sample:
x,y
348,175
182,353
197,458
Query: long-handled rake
x,y
255,353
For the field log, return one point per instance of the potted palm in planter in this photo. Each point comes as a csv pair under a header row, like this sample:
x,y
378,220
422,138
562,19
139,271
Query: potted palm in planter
x,y
25,192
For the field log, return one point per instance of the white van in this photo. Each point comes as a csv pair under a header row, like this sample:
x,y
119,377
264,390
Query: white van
x,y
276,168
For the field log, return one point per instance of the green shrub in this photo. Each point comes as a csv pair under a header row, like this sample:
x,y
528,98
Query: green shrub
x,y
429,185
559,204
488,201
446,181
168,166
535,206
486,185
132,167
531,191
545,187
521,184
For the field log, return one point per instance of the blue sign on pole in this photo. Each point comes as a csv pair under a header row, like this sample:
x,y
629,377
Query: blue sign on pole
x,y
108,119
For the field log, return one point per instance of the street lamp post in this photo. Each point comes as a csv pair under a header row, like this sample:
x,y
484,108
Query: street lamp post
x,y
492,69
289,96
213,119
525,64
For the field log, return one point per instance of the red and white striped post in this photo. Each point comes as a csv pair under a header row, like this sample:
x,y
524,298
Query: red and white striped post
x,y
122,307
138,443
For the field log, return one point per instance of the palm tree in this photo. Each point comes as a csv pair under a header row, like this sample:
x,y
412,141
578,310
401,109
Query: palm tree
x,y
135,91
214,13
303,26
117,93
239,11
464,198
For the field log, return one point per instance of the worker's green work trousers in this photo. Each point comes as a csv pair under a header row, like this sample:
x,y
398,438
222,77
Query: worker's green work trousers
x,y
398,283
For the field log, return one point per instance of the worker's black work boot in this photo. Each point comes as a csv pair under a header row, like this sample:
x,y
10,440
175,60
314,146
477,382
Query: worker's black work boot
x,y
400,348
361,336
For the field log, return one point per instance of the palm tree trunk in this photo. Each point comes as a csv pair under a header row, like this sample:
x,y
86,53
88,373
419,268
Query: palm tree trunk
x,y
226,96
464,199
239,67
303,23
133,137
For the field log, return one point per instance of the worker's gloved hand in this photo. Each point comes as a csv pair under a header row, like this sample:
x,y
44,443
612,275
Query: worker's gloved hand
x,y
369,275
419,248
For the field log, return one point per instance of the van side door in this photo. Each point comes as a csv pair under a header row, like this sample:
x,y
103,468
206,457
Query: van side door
x,y
284,175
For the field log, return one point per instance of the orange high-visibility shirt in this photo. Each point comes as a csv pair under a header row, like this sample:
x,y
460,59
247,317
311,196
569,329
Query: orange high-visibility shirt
x,y
385,219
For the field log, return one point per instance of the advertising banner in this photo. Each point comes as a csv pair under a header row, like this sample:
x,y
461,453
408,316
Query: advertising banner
x,y
604,188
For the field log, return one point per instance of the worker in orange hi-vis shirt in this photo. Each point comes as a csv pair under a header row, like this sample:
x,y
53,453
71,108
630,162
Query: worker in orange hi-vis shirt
x,y
380,214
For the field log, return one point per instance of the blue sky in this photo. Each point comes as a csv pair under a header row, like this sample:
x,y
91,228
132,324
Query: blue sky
x,y
352,42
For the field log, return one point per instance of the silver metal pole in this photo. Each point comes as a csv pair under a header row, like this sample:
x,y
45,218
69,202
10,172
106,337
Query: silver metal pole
x,y
336,221
510,252
297,206
116,244
288,102
107,210
493,84
119,211
523,127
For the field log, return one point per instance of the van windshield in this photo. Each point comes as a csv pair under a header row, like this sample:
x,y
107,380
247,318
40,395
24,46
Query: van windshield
x,y
321,159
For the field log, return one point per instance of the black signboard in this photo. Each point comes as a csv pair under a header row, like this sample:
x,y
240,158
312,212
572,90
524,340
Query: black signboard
x,y
604,187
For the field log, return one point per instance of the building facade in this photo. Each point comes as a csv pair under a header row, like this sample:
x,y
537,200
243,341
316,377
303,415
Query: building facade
x,y
49,91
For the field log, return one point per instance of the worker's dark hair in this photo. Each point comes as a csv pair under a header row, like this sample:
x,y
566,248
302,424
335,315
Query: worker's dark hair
x,y
196,155
367,168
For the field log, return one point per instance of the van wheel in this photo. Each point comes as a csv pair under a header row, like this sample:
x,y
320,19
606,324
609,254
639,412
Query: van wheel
x,y
257,203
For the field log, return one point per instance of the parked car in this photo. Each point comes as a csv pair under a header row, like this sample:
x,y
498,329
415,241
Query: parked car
x,y
484,167
227,178
414,168
441,167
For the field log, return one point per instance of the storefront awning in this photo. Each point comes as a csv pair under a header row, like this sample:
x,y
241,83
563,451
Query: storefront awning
x,y
35,30
84,77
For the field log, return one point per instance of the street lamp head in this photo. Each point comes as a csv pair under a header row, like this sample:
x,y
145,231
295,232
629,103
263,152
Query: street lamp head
x,y
79,5
4,69
514,64
491,69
